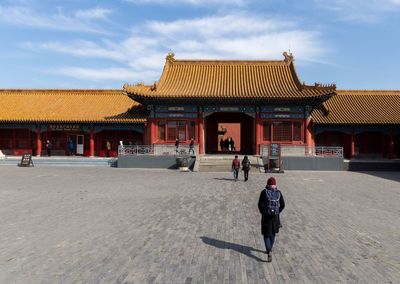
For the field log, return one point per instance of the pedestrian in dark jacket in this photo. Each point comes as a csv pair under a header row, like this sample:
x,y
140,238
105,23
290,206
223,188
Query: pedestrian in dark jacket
x,y
246,167
177,146
222,145
191,146
270,223
235,168
49,146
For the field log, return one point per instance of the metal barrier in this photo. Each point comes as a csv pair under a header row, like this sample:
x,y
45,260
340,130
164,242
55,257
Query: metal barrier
x,y
304,151
130,150
156,149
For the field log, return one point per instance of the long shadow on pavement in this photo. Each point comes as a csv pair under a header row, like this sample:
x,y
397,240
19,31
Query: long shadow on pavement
x,y
246,250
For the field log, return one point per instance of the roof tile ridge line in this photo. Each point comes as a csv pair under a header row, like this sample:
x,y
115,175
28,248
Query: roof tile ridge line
x,y
62,90
185,85
294,74
369,90
227,61
260,87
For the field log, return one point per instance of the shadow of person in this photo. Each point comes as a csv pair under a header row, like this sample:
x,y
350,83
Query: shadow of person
x,y
246,250
225,179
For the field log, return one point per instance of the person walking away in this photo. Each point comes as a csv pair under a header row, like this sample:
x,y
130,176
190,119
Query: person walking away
x,y
191,146
235,168
108,148
49,146
177,146
270,205
246,167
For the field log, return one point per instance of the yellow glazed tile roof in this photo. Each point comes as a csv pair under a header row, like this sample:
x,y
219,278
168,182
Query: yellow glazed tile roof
x,y
90,106
361,107
229,80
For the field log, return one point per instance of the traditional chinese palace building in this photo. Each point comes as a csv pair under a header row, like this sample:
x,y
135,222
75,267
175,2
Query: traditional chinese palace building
x,y
265,99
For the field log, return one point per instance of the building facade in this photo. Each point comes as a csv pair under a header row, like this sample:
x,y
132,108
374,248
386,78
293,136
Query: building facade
x,y
264,100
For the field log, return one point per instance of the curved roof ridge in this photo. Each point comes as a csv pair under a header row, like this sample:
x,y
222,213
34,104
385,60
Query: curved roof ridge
x,y
369,90
62,91
360,93
227,61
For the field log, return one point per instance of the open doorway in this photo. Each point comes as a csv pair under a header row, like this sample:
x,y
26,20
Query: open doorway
x,y
229,137
238,126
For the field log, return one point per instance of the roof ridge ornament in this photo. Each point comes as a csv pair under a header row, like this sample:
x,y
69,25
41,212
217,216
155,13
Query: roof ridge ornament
x,y
288,57
154,87
170,57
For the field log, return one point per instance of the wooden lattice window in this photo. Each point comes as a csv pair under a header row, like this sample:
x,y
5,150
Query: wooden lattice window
x,y
282,131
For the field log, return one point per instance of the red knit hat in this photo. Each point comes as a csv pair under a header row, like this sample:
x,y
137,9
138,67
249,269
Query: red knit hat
x,y
271,181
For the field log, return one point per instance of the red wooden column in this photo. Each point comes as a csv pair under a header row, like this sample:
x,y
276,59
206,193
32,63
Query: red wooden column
x,y
91,149
308,134
38,143
14,142
201,133
352,145
152,131
391,146
145,133
258,133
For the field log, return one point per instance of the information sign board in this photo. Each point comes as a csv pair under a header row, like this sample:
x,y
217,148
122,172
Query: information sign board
x,y
275,150
26,160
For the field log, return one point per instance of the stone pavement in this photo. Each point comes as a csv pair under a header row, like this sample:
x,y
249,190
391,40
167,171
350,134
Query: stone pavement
x,y
108,225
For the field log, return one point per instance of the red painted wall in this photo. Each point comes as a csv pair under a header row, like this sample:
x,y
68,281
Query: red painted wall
x,y
233,131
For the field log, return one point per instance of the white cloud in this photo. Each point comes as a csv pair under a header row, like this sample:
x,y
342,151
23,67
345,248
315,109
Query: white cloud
x,y
112,74
94,13
191,2
234,36
360,10
81,21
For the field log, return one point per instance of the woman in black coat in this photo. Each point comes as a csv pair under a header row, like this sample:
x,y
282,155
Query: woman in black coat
x,y
270,222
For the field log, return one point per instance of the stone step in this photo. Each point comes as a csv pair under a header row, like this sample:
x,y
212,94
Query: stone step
x,y
61,161
222,163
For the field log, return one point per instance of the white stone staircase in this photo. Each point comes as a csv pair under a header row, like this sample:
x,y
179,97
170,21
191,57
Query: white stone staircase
x,y
223,163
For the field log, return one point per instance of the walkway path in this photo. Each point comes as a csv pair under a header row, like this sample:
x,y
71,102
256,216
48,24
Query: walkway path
x,y
63,225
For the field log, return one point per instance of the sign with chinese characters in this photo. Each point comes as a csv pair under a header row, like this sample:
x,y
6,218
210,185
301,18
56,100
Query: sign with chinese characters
x,y
176,115
292,109
64,127
296,112
175,109
274,150
26,160
210,109
282,115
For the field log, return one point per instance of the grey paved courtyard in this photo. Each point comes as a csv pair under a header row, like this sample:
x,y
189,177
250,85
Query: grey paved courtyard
x,y
107,225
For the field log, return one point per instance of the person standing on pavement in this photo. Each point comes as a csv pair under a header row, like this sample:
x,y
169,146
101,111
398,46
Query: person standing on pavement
x,y
191,146
49,146
270,205
176,146
246,167
235,168
71,147
108,149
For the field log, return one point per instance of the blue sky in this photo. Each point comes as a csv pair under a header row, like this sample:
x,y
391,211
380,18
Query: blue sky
x,y
104,44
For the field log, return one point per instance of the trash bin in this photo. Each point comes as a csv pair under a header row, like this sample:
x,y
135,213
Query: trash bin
x,y
182,163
